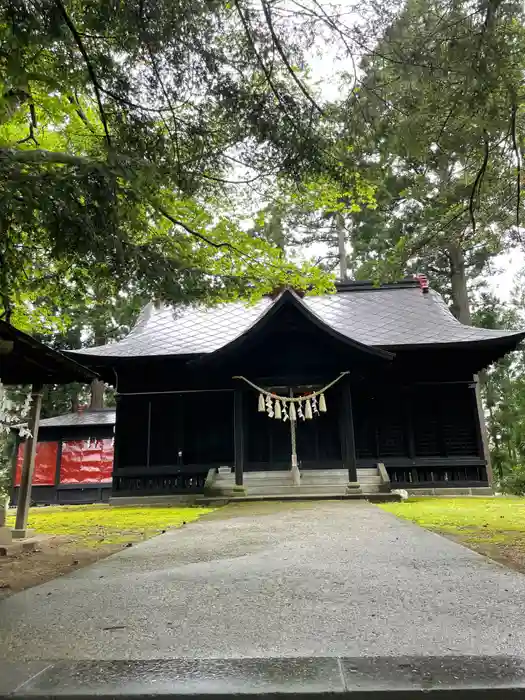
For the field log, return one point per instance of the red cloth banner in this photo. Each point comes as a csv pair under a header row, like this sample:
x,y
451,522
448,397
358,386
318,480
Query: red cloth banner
x,y
45,463
86,461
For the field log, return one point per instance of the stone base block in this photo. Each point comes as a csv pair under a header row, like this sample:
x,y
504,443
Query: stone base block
x,y
6,536
22,534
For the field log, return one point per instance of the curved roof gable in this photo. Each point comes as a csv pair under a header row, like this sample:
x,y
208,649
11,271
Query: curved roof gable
x,y
290,298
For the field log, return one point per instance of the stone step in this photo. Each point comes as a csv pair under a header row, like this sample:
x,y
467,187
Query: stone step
x,y
306,474
372,497
313,481
284,490
325,472
305,479
340,483
269,482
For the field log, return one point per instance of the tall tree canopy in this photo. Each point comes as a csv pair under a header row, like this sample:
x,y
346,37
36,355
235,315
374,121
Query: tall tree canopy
x,y
441,97
127,129
122,128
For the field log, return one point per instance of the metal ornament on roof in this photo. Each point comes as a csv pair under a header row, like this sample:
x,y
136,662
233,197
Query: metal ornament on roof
x,y
292,408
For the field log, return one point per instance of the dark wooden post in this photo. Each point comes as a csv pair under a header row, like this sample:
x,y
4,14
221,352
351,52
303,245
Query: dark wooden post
x,y
347,431
28,465
238,435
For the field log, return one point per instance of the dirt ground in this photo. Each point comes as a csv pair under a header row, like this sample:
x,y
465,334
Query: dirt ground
x,y
55,556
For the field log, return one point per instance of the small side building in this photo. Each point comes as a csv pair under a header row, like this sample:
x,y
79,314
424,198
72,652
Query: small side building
x,y
74,459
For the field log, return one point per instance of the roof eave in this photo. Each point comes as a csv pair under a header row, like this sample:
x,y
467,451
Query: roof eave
x,y
514,338
54,367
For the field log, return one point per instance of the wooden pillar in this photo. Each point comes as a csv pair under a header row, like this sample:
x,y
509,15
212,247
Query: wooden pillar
x,y
28,465
14,463
238,436
481,428
347,431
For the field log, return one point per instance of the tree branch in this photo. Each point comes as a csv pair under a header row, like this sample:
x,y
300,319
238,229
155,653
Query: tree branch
x,y
224,244
41,156
478,181
81,114
264,69
518,161
174,136
280,50
89,66
181,224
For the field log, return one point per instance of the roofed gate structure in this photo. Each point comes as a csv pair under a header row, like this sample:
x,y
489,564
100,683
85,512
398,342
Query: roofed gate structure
x,y
296,395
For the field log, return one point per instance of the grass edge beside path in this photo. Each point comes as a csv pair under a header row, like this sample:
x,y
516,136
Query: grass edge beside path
x,y
104,524
75,536
492,526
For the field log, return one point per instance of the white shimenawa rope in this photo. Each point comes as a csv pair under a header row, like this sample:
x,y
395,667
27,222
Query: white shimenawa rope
x,y
290,399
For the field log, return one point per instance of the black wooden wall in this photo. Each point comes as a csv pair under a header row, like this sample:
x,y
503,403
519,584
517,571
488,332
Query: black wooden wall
x,y
423,420
167,442
423,432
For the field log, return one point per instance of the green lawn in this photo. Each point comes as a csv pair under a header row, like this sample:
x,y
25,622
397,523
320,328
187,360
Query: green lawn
x,y
102,524
493,526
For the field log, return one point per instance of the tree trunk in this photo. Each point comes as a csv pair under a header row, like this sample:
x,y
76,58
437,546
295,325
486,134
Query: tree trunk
x,y
495,439
458,280
75,401
340,228
97,386
97,394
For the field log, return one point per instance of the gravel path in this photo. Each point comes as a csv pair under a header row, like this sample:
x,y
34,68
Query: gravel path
x,y
307,579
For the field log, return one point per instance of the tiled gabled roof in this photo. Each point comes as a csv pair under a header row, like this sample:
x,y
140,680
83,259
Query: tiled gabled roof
x,y
393,316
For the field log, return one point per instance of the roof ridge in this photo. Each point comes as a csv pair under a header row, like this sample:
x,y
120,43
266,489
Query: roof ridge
x,y
370,285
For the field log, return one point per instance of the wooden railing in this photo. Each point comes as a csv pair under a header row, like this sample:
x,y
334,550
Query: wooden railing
x,y
160,484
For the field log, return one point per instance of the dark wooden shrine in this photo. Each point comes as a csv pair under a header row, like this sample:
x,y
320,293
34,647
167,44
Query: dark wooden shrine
x,y
408,401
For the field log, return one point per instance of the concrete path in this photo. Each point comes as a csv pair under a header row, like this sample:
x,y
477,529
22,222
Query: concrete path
x,y
257,580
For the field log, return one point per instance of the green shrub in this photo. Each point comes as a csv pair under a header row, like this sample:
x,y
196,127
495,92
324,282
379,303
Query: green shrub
x,y
514,482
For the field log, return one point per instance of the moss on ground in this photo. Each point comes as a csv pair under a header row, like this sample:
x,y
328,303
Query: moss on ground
x,y
494,526
97,525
